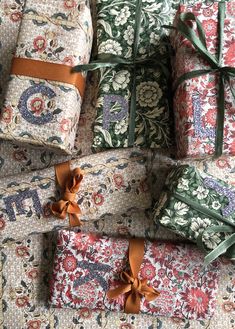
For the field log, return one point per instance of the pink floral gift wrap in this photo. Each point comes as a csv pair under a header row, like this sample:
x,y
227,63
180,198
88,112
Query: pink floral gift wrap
x,y
196,99
45,112
87,266
113,183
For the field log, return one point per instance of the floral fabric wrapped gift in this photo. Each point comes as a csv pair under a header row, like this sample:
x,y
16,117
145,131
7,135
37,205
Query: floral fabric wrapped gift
x,y
200,208
113,182
88,268
204,100
132,113
43,98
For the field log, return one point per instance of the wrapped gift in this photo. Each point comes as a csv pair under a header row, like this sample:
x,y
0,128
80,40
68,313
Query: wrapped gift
x,y
135,276
200,208
132,105
43,97
204,99
109,183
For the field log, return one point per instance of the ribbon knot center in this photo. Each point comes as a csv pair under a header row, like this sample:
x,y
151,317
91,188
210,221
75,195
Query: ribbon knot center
x,y
69,196
136,285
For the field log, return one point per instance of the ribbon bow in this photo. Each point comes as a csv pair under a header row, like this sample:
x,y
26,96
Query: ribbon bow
x,y
114,61
69,182
226,73
133,286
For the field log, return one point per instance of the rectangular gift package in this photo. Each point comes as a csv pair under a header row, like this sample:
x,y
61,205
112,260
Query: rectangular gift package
x,y
88,267
147,122
113,183
43,98
198,100
201,208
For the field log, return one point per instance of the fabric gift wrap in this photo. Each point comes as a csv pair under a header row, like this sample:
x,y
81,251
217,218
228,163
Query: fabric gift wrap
x,y
109,183
133,276
204,71
200,208
132,107
43,98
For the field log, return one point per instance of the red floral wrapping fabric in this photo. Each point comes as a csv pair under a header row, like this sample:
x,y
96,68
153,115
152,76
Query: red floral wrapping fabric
x,y
195,100
86,266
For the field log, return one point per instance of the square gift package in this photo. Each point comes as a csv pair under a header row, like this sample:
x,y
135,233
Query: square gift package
x,y
199,207
204,68
113,183
88,269
132,105
43,98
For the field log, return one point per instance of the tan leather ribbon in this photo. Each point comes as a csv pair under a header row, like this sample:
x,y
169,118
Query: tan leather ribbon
x,y
134,287
69,182
48,71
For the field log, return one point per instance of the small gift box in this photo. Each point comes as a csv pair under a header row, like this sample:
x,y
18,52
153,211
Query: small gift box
x,y
132,105
200,208
90,188
204,70
43,97
134,276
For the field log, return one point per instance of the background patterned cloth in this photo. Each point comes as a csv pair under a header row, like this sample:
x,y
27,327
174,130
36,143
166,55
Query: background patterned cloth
x,y
36,252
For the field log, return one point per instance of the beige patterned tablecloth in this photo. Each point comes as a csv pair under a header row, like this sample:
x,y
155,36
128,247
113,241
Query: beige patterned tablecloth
x,y
25,265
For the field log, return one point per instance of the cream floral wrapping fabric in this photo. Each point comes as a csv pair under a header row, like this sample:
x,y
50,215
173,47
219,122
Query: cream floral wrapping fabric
x,y
196,99
114,182
115,35
43,112
87,266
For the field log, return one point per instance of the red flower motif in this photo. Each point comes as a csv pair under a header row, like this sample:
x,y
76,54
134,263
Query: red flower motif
x,y
123,230
197,301
207,12
228,306
222,163
15,17
19,155
22,301
6,114
64,125
210,27
70,263
126,326
210,118
231,8
33,274
37,105
70,4
2,223
148,271
34,324
98,199
22,251
85,313
118,180
68,60
229,58
40,43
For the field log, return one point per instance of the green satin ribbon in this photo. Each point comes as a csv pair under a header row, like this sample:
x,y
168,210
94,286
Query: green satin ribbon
x,y
226,247
114,61
226,73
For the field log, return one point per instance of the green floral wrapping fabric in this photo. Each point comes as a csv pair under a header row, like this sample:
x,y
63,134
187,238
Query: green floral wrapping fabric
x,y
192,204
116,25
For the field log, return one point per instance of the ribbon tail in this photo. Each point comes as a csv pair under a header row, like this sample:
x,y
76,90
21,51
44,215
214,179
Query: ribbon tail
x,y
74,220
133,303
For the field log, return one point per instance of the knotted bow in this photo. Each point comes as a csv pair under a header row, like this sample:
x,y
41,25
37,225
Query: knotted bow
x,y
69,182
133,286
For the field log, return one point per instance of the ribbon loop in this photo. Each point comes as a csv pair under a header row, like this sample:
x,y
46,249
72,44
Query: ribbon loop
x,y
69,183
131,283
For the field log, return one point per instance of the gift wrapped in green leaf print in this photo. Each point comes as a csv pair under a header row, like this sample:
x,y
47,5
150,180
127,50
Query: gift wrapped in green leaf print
x,y
200,208
132,105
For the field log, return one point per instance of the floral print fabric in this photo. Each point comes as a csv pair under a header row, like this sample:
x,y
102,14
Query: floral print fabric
x,y
43,112
115,34
113,183
185,219
196,100
87,266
